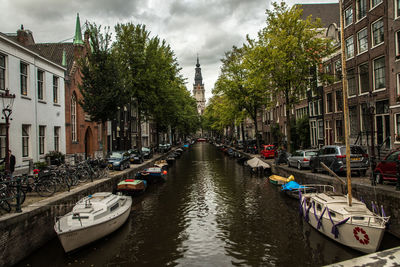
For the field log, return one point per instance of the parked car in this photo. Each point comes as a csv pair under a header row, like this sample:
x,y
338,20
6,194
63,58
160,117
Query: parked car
x,y
387,168
147,153
135,156
268,151
118,160
301,158
334,156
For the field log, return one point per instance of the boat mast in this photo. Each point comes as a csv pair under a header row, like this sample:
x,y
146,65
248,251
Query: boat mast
x,y
345,105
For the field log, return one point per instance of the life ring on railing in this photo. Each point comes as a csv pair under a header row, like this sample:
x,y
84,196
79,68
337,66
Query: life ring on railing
x,y
364,238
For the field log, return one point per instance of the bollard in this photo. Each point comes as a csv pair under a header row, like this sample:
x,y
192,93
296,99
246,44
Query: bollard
x,y
398,174
19,188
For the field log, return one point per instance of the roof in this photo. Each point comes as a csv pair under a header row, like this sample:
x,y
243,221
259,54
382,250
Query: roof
x,y
328,13
54,52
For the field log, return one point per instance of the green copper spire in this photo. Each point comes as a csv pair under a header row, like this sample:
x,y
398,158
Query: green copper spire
x,y
64,58
78,32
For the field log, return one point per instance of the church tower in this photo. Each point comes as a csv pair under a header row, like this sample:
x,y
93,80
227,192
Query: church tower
x,y
198,89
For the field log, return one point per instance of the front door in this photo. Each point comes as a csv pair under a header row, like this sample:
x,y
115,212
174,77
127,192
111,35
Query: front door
x,y
382,129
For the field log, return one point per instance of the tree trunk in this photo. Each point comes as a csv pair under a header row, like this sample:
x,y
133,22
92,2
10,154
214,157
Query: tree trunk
x,y
288,122
139,130
243,136
104,138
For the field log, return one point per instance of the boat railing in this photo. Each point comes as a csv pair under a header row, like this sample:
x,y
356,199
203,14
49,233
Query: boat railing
x,y
369,220
320,188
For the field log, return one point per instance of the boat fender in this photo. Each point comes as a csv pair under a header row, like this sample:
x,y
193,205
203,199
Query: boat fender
x,y
165,172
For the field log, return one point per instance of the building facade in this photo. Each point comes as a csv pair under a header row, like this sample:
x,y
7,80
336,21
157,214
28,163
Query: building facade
x,y
38,114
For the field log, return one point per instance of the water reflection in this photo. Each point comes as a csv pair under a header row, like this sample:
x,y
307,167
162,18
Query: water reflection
x,y
210,212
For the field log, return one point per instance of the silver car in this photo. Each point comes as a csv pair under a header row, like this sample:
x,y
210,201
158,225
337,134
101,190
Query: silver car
x,y
301,158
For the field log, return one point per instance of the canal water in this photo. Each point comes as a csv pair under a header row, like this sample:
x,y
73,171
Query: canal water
x,y
210,212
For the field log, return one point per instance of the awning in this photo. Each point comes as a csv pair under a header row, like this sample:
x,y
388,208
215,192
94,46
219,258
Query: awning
x,y
256,162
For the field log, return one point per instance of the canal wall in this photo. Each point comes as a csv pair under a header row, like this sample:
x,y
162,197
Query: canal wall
x,y
23,233
386,196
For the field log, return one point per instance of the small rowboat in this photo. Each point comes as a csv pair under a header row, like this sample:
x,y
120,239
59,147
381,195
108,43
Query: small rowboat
x,y
279,180
161,164
153,174
132,186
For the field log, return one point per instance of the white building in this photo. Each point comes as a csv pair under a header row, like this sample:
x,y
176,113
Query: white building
x,y
38,113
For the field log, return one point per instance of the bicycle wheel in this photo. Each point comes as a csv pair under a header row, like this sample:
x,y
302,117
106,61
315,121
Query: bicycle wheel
x,y
46,188
12,193
83,176
5,205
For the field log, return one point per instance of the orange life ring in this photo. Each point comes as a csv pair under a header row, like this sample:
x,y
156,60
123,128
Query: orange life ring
x,y
364,239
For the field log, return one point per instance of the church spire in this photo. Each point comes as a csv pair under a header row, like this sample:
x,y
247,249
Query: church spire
x,y
198,79
78,33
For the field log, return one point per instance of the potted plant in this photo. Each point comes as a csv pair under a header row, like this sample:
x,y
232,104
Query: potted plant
x,y
55,157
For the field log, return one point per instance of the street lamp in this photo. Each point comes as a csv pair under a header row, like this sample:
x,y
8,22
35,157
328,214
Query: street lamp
x,y
8,101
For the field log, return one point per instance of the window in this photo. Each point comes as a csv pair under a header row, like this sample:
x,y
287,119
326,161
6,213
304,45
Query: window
x,y
25,140
40,84
42,131
377,32
364,78
320,129
339,101
361,9
338,71
374,3
397,8
24,78
329,103
348,17
397,41
73,118
379,73
351,83
398,87
2,141
353,121
55,89
349,47
2,72
362,41
397,123
338,131
365,118
56,138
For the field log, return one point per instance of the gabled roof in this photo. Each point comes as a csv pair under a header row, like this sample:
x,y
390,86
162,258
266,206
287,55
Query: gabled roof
x,y
328,13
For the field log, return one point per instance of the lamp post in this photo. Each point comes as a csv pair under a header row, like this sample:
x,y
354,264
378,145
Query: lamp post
x,y
8,101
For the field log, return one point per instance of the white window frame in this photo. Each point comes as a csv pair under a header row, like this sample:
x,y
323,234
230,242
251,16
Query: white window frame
x,y
373,73
4,69
373,44
357,10
347,46
346,23
40,85
336,132
42,139
396,9
359,52
397,43
57,131
73,119
396,130
359,79
56,91
25,137
377,4
326,102
24,76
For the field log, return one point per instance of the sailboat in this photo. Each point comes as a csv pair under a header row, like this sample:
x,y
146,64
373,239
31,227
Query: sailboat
x,y
340,217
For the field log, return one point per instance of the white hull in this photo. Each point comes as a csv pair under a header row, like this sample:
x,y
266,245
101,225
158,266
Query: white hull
x,y
364,234
72,239
347,235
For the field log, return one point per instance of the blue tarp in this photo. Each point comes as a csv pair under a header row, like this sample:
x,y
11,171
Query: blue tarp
x,y
291,185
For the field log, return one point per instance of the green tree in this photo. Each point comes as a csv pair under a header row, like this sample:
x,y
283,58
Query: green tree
x,y
100,86
287,49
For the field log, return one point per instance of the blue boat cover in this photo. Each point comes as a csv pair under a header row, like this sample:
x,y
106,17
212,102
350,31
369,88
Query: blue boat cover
x,y
291,185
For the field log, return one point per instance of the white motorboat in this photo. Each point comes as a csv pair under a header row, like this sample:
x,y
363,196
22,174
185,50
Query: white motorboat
x,y
354,226
92,218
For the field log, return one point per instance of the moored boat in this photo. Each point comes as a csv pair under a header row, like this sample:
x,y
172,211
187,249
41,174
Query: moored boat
x,y
292,189
161,164
353,226
279,180
92,218
152,174
132,186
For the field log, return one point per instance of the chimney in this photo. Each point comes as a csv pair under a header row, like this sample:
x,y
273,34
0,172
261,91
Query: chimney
x,y
25,37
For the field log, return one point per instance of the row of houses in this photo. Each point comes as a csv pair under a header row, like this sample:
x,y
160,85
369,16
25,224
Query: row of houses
x,y
372,52
46,115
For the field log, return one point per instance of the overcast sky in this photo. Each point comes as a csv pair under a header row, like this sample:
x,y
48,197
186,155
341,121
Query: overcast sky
x,y
206,27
